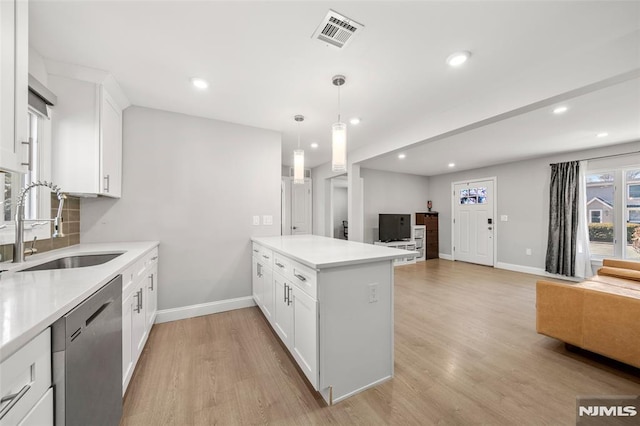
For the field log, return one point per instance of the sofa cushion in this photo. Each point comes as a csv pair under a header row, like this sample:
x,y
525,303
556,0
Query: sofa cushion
x,y
629,274
625,264
615,281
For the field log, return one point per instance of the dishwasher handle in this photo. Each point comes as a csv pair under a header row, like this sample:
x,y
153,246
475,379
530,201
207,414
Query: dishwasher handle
x,y
97,312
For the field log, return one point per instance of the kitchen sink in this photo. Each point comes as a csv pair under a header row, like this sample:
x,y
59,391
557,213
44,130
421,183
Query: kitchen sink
x,y
79,261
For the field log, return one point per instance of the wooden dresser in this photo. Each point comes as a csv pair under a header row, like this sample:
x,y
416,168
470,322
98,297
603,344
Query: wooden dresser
x,y
430,220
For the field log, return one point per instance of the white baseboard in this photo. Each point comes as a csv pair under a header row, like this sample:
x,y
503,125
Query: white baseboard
x,y
445,256
174,314
534,271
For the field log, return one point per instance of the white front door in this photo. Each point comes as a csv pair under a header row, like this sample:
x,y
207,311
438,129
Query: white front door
x,y
301,208
473,221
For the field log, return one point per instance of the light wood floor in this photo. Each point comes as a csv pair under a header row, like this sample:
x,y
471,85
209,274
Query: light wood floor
x,y
466,352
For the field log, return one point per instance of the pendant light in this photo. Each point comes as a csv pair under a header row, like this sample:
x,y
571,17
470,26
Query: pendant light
x,y
339,135
298,156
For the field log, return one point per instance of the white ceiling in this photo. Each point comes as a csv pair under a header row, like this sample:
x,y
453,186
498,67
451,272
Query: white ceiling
x,y
264,67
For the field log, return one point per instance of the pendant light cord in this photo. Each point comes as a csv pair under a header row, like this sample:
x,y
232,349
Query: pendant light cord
x,y
298,135
339,103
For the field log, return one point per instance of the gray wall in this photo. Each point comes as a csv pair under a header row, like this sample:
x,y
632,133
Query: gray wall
x,y
340,212
387,192
193,184
523,195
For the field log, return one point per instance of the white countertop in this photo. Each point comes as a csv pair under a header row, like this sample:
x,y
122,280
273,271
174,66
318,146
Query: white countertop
x,y
323,252
31,301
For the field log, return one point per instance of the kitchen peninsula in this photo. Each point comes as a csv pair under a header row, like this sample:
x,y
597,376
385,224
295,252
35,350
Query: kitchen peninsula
x,y
331,303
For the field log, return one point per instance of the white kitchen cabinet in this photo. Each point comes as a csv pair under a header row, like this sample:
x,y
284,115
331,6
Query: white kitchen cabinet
x,y
287,297
305,334
139,310
86,137
152,294
25,377
333,309
14,83
127,328
283,309
42,413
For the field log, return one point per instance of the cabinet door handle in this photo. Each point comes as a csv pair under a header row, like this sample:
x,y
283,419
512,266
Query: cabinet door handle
x,y
288,295
285,294
106,183
13,400
29,162
151,278
300,277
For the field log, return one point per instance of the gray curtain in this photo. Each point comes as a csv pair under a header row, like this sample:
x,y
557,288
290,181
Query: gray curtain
x,y
563,219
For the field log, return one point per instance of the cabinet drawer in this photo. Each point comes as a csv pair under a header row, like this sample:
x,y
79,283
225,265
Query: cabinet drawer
x,y
42,413
25,376
304,278
151,258
265,255
282,265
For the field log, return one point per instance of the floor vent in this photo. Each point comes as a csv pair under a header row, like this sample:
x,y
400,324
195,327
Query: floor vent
x,y
337,30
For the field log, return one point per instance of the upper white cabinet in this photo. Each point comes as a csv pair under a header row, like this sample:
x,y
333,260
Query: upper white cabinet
x,y
86,131
14,83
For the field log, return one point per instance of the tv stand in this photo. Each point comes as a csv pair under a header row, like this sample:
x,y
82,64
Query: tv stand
x,y
403,245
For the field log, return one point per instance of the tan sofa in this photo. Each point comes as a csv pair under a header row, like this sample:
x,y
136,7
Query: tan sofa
x,y
601,314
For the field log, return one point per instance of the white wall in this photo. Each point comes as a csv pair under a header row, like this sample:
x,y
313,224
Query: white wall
x,y
37,67
340,211
193,184
523,195
321,193
387,192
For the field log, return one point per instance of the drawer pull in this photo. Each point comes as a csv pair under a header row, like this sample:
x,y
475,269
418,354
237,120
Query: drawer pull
x,y
265,256
13,400
256,251
279,265
300,277
154,258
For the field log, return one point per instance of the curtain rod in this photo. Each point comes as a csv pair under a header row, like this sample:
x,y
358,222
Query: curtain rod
x,y
604,156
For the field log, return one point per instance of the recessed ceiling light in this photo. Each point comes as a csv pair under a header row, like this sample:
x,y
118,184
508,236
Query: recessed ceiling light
x,y
355,120
560,110
452,164
401,156
602,134
200,83
458,58
314,145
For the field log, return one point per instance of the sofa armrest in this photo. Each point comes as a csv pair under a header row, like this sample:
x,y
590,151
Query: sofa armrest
x,y
559,309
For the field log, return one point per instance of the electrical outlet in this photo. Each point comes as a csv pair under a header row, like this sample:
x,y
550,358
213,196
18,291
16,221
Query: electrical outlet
x,y
373,293
256,220
504,218
267,220
528,252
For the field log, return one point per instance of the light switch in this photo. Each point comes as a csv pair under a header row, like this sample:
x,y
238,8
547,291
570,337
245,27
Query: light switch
x,y
504,218
267,220
256,220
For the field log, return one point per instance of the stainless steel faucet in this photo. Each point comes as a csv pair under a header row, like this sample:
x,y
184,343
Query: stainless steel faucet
x,y
18,247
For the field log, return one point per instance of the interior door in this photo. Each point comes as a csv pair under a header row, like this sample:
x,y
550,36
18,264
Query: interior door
x,y
301,208
474,223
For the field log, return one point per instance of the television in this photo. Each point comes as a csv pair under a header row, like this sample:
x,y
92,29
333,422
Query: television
x,y
394,227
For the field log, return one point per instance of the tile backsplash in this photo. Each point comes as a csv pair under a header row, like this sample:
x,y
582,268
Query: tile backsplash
x,y
70,228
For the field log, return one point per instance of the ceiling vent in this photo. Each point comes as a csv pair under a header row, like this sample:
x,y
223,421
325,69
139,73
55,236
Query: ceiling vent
x,y
337,30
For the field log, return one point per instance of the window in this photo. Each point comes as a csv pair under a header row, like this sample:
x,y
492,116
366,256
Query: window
x,y
37,203
614,214
473,196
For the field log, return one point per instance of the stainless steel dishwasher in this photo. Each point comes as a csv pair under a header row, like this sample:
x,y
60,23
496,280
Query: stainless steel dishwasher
x,y
87,360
